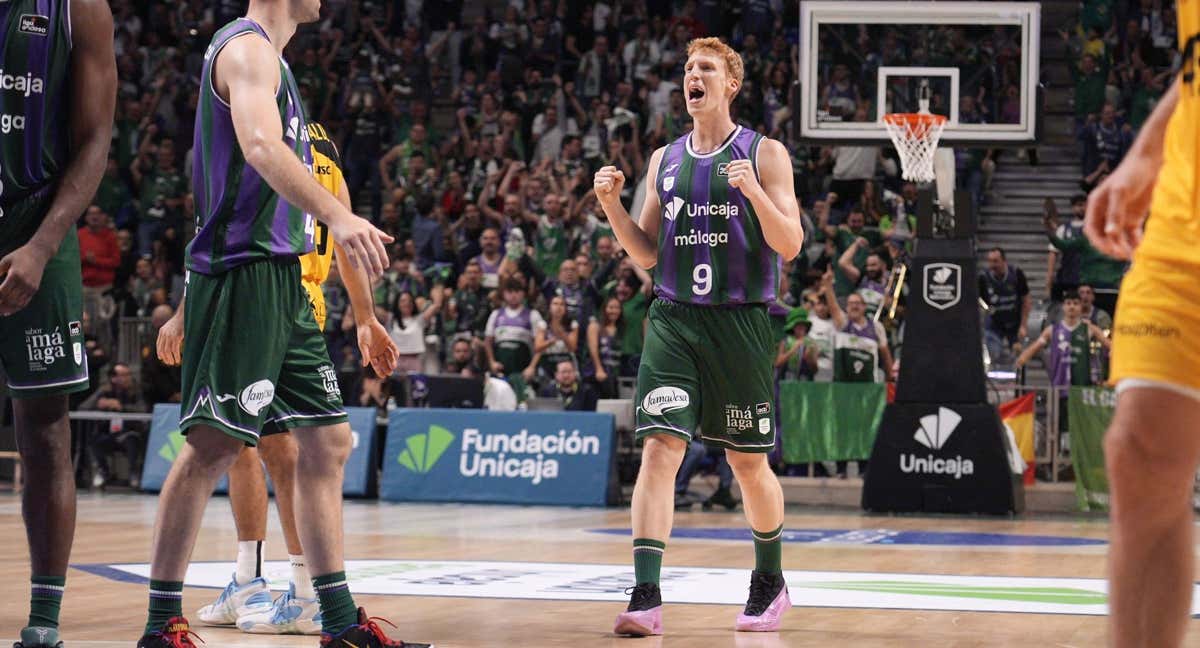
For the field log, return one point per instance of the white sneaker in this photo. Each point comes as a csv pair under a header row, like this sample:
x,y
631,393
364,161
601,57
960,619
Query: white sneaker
x,y
235,601
288,615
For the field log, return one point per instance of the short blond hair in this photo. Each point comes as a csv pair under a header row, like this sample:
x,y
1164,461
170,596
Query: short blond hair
x,y
714,45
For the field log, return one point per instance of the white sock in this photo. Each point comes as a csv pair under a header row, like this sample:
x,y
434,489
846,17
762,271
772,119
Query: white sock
x,y
249,561
301,579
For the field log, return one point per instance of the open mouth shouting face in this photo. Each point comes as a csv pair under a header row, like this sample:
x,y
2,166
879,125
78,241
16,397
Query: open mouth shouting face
x,y
705,82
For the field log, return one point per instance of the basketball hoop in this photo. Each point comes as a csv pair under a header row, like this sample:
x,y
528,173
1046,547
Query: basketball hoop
x,y
915,136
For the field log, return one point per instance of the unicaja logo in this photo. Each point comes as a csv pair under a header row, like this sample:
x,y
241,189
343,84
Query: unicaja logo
x,y
936,429
422,451
934,432
672,210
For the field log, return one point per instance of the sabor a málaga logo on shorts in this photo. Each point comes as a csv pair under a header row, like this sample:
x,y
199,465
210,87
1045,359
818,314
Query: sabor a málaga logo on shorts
x,y
44,348
935,430
329,378
661,400
943,285
256,396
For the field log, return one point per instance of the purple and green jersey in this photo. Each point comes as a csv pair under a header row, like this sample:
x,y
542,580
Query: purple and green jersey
x,y
711,247
239,217
35,62
1070,355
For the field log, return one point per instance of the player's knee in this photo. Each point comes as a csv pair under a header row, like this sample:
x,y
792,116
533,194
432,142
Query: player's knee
x,y
746,466
279,452
323,452
663,454
211,448
1137,465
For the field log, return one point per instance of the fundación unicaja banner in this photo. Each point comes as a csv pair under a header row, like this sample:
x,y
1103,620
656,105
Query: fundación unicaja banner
x,y
461,455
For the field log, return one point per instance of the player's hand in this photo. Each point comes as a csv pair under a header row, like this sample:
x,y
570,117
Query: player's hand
x,y
1022,333
601,374
608,183
1117,208
20,275
377,348
742,177
365,244
170,341
497,368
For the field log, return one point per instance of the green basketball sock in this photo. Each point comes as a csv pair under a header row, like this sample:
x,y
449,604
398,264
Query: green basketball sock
x,y
338,610
768,551
45,600
647,560
166,601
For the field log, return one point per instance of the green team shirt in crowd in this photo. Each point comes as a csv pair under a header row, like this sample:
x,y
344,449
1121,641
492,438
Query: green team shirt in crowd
x,y
842,285
551,245
33,113
1095,269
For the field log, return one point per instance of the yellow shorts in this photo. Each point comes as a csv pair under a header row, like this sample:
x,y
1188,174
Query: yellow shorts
x,y
1156,332
317,298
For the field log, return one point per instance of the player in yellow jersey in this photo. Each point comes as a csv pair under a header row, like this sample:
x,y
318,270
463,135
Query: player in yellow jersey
x,y
247,601
1152,447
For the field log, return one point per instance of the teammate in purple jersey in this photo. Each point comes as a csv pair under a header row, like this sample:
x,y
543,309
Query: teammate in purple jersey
x,y
59,78
719,216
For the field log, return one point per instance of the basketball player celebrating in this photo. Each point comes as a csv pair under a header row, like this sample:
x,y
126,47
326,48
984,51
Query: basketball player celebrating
x,y
719,219
246,601
57,67
1152,447
252,351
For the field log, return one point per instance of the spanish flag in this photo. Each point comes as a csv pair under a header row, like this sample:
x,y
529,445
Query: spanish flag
x,y
1017,415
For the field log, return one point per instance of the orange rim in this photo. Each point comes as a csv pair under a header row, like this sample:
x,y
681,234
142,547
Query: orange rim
x,y
918,124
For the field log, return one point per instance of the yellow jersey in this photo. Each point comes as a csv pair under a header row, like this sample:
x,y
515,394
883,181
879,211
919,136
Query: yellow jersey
x,y
1173,230
314,266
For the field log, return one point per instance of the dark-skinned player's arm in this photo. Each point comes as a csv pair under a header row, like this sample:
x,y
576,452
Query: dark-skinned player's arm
x,y
247,72
773,195
640,239
374,343
93,76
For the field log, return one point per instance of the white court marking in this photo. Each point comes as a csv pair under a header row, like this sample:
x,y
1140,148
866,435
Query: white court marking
x,y
600,582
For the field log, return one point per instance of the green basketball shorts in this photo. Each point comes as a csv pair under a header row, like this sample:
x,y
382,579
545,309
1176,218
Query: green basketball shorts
x,y
41,346
706,372
253,355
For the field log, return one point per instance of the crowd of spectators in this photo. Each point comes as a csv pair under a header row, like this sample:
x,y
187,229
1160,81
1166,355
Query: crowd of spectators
x,y
1122,57
470,132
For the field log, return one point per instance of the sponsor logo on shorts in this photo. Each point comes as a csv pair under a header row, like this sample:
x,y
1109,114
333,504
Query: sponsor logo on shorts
x,y
256,396
665,399
77,348
35,24
762,409
329,378
44,348
74,328
738,419
1148,329
764,426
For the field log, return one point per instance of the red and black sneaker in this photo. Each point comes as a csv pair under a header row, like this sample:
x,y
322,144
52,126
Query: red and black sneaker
x,y
175,633
367,634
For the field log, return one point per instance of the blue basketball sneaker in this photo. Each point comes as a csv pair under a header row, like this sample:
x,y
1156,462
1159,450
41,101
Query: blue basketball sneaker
x,y
288,615
237,601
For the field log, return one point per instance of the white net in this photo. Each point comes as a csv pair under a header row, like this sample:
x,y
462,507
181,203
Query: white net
x,y
915,136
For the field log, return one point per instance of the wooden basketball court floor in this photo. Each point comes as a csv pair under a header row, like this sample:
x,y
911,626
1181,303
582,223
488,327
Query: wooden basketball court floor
x,y
479,566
